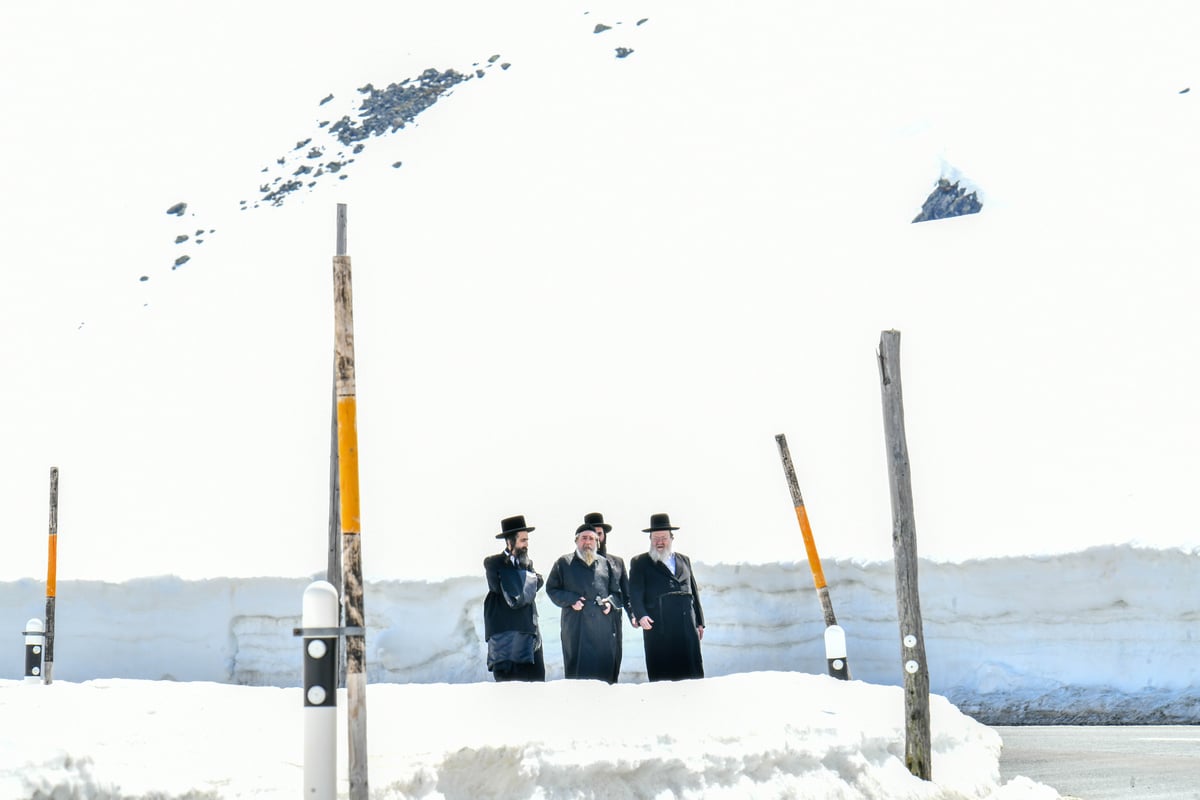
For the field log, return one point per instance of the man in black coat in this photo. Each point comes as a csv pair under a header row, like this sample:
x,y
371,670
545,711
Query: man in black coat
x,y
510,620
617,565
666,602
584,586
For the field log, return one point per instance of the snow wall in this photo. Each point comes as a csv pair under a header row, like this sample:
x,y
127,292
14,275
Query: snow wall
x,y
1110,635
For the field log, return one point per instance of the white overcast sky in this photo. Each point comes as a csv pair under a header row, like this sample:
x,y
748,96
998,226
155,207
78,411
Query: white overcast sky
x,y
598,283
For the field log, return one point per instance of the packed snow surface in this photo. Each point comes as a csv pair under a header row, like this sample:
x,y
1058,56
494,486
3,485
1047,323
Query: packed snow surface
x,y
762,735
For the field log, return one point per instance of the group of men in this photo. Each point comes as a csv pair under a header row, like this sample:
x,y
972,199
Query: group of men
x,y
657,594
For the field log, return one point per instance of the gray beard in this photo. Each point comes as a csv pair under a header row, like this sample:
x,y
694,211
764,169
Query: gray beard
x,y
663,556
586,556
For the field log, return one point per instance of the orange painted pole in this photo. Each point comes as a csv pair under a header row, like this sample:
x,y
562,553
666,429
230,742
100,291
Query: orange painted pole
x,y
810,545
352,594
51,580
835,638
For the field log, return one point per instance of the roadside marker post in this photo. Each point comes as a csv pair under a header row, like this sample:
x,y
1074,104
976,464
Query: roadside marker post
x,y
35,642
837,638
320,632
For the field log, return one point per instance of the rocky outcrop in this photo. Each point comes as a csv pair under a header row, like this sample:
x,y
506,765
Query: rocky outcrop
x,y
948,200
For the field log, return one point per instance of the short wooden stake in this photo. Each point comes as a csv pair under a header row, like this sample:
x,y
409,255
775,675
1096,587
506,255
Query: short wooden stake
x,y
352,594
917,745
51,580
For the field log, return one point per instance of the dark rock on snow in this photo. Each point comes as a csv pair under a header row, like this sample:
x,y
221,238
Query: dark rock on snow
x,y
948,200
177,209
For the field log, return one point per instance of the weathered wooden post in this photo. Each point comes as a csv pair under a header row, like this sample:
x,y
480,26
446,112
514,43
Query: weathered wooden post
x,y
917,743
352,589
51,580
837,662
333,571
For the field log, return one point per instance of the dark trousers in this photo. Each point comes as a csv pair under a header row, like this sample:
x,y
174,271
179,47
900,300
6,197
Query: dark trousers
x,y
620,635
508,671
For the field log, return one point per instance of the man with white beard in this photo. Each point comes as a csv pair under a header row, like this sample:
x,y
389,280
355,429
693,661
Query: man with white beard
x,y
666,603
586,588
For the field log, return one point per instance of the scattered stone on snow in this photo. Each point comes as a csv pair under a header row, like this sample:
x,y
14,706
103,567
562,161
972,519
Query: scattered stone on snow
x,y
623,52
177,209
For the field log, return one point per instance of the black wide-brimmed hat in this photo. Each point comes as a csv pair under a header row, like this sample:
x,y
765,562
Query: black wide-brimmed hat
x,y
511,525
659,522
596,520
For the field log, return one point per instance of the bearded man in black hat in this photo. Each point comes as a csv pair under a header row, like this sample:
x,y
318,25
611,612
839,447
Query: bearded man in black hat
x,y
617,565
510,619
666,602
584,586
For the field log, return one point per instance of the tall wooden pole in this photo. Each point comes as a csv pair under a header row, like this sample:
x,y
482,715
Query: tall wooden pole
x,y
810,544
352,590
333,570
51,580
917,744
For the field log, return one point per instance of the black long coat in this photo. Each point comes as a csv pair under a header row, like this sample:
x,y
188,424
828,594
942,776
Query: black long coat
x,y
588,637
511,606
672,601
617,564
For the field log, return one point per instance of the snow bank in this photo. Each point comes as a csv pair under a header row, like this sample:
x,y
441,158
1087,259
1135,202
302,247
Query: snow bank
x,y
1094,637
763,735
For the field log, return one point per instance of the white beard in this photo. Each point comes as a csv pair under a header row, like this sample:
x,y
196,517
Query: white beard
x,y
667,552
586,556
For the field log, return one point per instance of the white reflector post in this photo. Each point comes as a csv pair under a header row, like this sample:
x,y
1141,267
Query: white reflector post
x,y
320,692
835,652
35,643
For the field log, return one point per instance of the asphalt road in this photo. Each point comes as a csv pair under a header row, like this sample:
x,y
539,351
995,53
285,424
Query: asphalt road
x,y
1105,763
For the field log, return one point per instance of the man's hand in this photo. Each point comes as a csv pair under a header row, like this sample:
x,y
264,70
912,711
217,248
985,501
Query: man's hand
x,y
645,623
578,604
700,631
